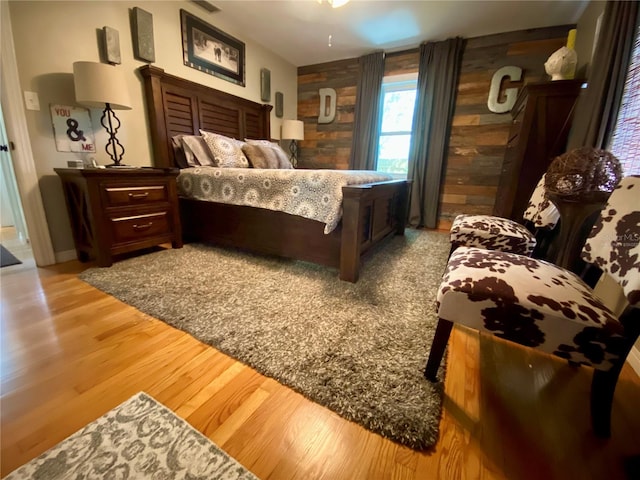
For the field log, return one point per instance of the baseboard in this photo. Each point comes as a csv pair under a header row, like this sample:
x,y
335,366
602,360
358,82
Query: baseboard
x,y
66,256
634,359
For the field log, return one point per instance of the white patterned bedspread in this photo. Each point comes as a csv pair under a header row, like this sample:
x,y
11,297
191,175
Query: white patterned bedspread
x,y
314,194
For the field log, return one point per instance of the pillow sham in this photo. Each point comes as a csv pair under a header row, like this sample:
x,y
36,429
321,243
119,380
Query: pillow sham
x,y
283,158
260,156
226,151
178,152
195,150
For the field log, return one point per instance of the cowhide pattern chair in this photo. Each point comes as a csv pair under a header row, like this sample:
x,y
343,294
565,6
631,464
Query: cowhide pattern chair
x,y
497,233
542,306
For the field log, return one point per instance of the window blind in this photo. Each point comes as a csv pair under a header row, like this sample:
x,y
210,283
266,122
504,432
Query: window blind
x,y
625,143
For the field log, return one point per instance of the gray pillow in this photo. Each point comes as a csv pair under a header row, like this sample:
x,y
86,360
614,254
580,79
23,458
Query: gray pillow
x,y
260,156
195,149
283,158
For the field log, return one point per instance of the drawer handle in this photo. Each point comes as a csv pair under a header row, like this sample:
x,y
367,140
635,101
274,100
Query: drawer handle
x,y
138,196
142,227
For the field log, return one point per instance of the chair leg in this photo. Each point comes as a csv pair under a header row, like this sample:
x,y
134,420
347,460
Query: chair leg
x,y
603,386
443,331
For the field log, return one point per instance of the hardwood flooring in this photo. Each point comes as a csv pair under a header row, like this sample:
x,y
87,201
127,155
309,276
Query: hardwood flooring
x,y
69,353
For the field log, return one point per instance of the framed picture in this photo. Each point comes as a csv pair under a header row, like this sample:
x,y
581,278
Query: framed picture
x,y
210,50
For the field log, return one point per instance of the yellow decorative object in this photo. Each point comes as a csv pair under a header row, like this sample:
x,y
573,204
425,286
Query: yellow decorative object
x,y
571,39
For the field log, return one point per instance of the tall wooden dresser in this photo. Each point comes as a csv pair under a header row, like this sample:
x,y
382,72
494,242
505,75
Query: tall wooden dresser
x,y
541,122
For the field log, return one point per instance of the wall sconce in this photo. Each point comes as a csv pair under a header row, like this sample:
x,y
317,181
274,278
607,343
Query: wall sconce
x,y
99,85
293,130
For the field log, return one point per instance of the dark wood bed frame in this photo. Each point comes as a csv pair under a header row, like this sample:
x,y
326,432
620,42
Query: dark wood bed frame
x,y
371,212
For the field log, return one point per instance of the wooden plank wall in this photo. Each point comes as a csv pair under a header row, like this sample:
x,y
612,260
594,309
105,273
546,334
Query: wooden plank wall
x,y
478,136
327,145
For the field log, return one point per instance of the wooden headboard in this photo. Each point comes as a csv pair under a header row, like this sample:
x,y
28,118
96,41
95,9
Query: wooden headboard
x,y
177,106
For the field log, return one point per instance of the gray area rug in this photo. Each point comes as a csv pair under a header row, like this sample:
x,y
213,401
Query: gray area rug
x,y
140,439
358,349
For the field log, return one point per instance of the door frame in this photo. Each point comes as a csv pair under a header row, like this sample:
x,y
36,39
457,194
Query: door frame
x,y
22,154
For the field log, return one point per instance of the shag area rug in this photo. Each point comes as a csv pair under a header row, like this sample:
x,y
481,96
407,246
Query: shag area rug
x,y
358,349
140,439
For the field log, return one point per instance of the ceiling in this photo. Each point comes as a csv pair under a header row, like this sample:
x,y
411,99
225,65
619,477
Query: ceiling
x,y
298,30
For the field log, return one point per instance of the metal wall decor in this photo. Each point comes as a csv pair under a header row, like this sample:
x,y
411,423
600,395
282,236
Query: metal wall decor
x,y
328,101
279,104
265,84
514,74
111,45
142,24
212,51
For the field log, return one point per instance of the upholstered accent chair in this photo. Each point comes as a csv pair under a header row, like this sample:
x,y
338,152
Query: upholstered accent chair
x,y
542,306
497,233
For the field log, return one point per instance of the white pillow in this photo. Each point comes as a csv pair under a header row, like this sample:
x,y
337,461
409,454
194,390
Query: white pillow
x,y
227,152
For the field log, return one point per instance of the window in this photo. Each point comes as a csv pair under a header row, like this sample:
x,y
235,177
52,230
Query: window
x,y
398,102
625,143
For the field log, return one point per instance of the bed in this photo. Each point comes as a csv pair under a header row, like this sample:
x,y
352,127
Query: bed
x,y
371,212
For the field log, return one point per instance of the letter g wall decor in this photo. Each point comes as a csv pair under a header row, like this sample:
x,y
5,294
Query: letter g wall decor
x,y
514,74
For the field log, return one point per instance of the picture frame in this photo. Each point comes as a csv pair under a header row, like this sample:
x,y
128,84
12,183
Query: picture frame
x,y
212,51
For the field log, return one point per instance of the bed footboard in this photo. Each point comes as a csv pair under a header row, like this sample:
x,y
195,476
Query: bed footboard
x,y
371,213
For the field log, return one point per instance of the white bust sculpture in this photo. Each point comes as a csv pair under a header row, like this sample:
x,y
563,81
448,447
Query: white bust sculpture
x,y
561,65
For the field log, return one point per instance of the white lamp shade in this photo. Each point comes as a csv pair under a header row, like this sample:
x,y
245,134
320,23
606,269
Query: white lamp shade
x,y
293,130
98,83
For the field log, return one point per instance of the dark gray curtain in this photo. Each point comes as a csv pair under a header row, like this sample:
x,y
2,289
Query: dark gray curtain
x,y
366,122
597,108
435,101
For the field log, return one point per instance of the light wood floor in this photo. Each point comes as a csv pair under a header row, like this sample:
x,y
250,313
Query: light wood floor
x,y
70,353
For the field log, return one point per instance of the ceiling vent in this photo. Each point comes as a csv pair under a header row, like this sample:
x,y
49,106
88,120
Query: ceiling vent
x,y
208,6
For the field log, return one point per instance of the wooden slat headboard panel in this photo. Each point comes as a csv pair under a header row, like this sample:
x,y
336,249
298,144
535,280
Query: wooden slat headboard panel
x,y
177,106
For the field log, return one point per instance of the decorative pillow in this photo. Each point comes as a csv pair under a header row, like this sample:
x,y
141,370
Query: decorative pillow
x,y
260,156
283,158
195,150
226,151
265,143
178,152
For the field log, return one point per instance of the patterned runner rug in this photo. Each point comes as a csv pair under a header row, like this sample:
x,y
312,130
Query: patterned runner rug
x,y
140,439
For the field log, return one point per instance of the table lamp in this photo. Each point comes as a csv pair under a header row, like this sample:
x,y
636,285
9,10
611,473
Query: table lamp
x,y
98,85
293,130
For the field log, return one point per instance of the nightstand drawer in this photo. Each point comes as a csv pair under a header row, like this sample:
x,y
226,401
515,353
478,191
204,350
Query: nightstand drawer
x,y
119,196
134,228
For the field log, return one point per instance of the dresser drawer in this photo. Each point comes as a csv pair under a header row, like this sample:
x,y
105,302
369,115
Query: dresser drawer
x,y
137,227
117,196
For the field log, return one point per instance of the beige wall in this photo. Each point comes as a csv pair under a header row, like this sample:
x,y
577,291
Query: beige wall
x,y
586,36
49,36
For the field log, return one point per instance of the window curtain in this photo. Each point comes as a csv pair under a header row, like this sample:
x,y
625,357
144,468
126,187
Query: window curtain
x,y
366,128
597,108
438,74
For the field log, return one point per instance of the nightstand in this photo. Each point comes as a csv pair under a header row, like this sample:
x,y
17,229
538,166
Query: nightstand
x,y
118,210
